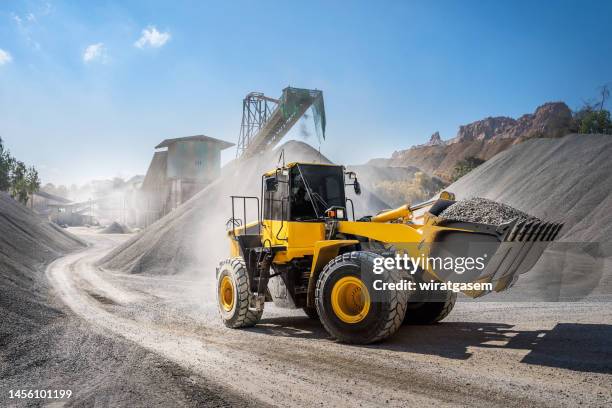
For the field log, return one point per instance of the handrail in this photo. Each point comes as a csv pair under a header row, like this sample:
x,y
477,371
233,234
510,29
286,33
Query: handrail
x,y
244,201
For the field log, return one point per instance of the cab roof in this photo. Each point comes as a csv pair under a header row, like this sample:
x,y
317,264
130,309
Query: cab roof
x,y
292,164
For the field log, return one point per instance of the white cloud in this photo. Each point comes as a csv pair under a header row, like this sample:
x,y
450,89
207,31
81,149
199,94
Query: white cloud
x,y
95,52
5,57
25,24
17,19
152,38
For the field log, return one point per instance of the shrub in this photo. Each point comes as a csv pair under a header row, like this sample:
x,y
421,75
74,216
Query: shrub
x,y
20,181
420,188
466,165
595,122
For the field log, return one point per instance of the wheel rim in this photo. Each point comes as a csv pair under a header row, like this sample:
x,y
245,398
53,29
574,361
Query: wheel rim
x,y
350,299
226,293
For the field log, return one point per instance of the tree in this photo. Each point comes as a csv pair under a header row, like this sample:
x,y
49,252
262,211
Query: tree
x,y
24,181
592,117
466,165
596,122
6,163
32,180
604,92
18,179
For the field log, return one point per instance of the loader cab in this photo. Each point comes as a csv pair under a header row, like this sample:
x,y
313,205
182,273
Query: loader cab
x,y
304,192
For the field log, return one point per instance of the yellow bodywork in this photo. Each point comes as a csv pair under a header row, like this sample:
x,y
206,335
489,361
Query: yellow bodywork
x,y
300,239
412,230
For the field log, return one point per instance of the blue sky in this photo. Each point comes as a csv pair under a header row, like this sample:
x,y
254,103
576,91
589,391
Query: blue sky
x,y
87,89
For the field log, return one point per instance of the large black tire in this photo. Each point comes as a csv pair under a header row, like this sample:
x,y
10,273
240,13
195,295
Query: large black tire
x,y
311,312
239,314
430,312
385,313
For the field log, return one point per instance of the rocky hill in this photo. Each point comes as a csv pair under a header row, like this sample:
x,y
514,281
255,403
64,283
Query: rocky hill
x,y
484,139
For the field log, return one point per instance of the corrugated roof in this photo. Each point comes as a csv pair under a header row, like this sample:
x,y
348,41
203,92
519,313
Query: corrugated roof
x,y
202,138
53,197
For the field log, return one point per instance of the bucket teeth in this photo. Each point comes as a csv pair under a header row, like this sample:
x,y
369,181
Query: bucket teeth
x,y
531,231
551,232
525,230
538,232
535,230
556,232
517,227
544,234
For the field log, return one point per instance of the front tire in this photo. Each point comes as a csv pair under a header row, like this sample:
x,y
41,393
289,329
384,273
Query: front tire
x,y
346,304
311,312
233,295
430,312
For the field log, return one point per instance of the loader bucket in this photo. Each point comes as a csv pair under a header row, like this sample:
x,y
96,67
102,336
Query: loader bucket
x,y
506,251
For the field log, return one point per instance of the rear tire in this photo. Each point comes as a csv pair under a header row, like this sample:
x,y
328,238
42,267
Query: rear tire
x,y
353,316
311,312
233,295
430,312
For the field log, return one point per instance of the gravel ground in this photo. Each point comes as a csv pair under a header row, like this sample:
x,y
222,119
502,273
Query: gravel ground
x,y
483,354
101,368
45,345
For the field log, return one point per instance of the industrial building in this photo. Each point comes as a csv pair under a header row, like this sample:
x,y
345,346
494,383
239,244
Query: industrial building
x,y
179,169
60,210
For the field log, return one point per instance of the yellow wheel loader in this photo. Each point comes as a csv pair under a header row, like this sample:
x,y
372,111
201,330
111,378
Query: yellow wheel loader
x,y
306,250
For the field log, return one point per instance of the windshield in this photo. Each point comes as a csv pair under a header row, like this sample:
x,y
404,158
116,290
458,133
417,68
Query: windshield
x,y
320,188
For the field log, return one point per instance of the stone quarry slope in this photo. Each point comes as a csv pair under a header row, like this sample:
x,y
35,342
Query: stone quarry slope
x,y
194,235
27,243
567,180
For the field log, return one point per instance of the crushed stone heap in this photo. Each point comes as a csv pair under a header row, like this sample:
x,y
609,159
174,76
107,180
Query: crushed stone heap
x,y
116,228
485,211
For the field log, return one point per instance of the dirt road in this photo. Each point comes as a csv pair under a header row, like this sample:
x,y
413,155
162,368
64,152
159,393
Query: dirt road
x,y
484,354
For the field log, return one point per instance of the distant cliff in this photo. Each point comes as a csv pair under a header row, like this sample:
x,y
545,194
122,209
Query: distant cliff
x,y
484,139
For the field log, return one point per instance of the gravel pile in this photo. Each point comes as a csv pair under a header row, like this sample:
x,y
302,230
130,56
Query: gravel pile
x,y
565,180
485,211
116,228
27,244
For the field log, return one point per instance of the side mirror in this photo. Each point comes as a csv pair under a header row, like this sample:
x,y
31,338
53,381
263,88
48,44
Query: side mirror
x,y
271,184
352,176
